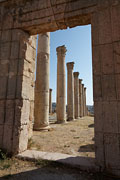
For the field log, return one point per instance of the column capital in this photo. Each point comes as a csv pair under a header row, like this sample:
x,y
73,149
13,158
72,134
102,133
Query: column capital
x,y
70,65
85,88
82,85
61,50
50,89
76,74
80,81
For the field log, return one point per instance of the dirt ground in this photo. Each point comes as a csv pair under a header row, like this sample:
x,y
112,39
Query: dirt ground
x,y
71,138
74,138
14,169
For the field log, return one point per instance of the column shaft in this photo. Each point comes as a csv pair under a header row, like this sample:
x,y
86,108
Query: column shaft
x,y
83,100
76,94
42,83
70,91
50,101
61,93
80,98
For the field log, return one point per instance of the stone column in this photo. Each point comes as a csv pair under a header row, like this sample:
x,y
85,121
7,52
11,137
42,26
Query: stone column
x,y
83,112
80,98
42,83
70,91
50,101
61,93
85,107
76,94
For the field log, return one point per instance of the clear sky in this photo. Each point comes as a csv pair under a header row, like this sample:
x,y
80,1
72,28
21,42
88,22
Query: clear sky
x,y
78,43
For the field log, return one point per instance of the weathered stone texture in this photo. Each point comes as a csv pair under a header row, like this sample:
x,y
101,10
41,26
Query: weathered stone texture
x,y
14,99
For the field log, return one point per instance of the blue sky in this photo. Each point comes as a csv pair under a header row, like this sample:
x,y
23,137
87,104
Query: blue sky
x,y
78,43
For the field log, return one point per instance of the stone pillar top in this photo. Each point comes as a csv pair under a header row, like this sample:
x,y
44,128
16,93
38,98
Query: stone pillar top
x,y
80,80
76,74
50,89
61,50
70,65
84,88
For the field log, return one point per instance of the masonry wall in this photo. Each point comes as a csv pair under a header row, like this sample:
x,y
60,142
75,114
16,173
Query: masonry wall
x,y
17,65
106,81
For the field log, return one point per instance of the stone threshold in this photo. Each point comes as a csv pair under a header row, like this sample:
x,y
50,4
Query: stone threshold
x,y
83,163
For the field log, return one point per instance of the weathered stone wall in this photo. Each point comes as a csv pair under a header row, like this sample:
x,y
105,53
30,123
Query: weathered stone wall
x,y
16,93
106,77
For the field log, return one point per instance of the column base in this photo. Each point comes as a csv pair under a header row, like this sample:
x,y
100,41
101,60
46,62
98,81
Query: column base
x,y
61,122
70,119
46,128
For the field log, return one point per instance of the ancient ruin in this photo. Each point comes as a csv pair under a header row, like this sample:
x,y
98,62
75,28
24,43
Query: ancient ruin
x,y
42,83
20,19
70,91
61,94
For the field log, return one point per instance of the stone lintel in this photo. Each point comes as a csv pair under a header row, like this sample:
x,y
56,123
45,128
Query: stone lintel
x,y
61,50
76,74
70,65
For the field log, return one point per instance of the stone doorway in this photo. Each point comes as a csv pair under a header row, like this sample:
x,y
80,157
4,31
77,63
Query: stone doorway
x,y
19,20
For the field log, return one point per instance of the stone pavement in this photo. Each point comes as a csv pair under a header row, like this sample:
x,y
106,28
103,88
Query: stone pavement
x,y
83,163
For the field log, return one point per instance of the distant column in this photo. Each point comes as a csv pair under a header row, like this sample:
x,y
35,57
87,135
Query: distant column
x,y
70,91
85,107
61,91
83,100
42,83
50,101
80,98
76,94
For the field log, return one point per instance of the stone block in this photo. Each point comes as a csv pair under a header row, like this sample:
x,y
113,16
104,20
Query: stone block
x,y
11,91
1,130
30,53
116,51
115,18
7,23
117,76
2,112
14,50
10,112
8,138
107,59
99,149
97,87
33,41
23,85
112,150
3,89
13,67
6,36
96,60
111,122
5,51
31,115
22,111
98,116
24,68
109,87
18,34
4,67
104,24
20,138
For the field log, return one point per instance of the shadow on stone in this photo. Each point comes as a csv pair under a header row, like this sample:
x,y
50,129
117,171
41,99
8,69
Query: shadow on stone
x,y
91,126
87,148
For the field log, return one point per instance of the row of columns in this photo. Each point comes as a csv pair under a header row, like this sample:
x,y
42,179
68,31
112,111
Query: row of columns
x,y
76,93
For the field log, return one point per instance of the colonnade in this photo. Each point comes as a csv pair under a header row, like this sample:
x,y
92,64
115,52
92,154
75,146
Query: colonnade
x,y
76,92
